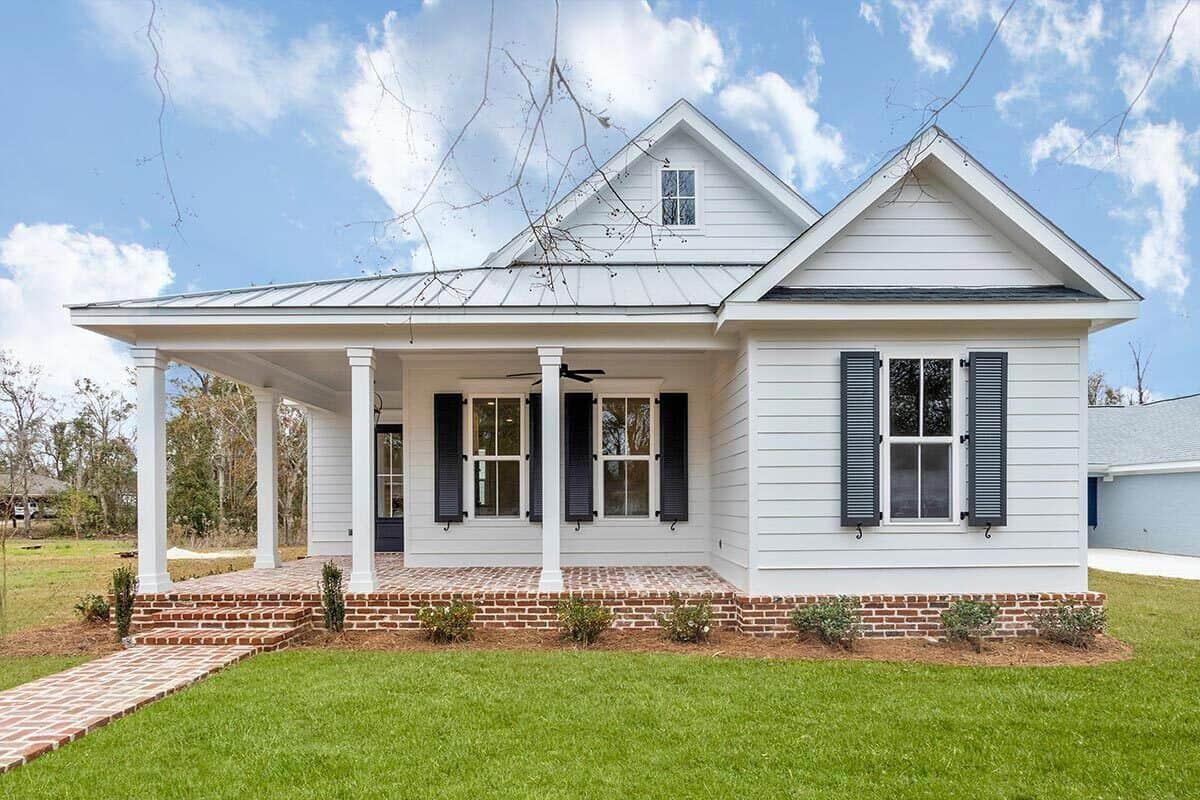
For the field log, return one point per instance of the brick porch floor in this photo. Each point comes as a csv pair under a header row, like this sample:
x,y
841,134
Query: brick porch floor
x,y
303,576
41,715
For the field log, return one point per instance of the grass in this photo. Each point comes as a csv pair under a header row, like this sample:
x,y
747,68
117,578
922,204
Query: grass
x,y
316,724
15,670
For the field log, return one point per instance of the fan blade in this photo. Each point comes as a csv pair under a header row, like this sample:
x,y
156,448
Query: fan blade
x,y
577,377
587,371
522,374
535,383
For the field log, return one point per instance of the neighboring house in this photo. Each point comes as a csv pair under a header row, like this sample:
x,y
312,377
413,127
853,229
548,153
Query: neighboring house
x,y
1144,476
886,398
43,491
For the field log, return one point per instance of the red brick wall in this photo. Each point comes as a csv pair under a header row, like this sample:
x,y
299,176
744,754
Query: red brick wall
x,y
881,615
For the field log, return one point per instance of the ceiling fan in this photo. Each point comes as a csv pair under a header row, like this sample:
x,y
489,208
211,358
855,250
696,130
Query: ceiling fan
x,y
564,371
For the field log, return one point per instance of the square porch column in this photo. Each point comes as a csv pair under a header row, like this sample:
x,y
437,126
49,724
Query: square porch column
x,y
266,405
362,472
151,470
551,579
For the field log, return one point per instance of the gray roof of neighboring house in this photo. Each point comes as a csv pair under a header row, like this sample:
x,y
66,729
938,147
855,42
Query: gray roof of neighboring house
x,y
854,294
39,486
1165,430
518,286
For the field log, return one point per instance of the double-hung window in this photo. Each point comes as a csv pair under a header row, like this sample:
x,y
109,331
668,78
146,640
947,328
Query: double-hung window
x,y
496,436
919,439
678,192
625,443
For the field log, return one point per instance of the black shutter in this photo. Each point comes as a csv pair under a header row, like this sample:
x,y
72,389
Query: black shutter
x,y
673,457
860,437
987,428
577,455
535,457
447,457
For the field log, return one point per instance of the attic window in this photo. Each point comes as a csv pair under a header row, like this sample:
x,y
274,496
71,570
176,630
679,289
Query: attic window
x,y
679,197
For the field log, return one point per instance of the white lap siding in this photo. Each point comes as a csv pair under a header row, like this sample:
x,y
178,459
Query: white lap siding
x,y
730,437
796,409
507,542
329,483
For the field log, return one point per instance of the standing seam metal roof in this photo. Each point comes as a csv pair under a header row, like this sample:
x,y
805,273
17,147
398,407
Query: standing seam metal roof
x,y
518,286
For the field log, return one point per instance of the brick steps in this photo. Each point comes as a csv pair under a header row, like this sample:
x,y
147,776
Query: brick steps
x,y
267,638
261,626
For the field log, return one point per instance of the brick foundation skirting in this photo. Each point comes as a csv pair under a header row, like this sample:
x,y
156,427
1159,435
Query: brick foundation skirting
x,y
881,615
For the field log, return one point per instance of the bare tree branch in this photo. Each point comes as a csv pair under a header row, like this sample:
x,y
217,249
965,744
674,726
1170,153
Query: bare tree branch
x,y
160,81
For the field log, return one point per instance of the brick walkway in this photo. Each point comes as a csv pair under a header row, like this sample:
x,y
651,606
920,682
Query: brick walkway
x,y
41,715
303,576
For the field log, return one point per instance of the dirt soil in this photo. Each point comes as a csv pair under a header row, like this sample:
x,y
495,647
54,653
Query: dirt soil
x,y
1023,652
71,639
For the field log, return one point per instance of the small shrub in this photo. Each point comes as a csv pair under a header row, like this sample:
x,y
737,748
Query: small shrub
x,y
92,608
583,622
686,622
333,597
1077,626
834,620
970,621
450,623
124,587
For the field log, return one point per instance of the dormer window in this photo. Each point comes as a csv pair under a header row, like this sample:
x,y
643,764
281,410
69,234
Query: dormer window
x,y
678,197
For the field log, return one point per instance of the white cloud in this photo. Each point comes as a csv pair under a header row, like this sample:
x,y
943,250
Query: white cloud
x,y
870,13
224,65
49,266
1153,158
1146,35
800,147
623,60
917,20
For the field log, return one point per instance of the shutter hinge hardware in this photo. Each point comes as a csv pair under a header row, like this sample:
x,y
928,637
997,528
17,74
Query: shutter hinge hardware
x,y
964,438
987,532
577,524
964,362
859,536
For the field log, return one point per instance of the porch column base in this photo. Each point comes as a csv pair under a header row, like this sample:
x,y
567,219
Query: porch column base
x,y
551,580
157,583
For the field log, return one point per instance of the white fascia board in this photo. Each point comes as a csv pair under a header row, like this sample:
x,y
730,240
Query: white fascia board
x,y
681,114
1161,468
792,311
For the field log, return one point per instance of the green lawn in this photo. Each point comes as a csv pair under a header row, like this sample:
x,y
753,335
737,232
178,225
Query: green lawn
x,y
15,670
317,724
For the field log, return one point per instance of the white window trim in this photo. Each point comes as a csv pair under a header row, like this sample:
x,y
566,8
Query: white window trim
x,y
651,459
469,462
698,228
958,413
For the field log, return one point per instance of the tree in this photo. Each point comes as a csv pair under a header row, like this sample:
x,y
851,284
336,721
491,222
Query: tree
x,y
1100,393
1141,366
77,510
293,468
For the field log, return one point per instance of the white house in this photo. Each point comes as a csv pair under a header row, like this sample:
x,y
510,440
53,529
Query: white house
x,y
886,398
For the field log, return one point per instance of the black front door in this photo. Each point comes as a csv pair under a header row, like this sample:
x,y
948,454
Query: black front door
x,y
389,488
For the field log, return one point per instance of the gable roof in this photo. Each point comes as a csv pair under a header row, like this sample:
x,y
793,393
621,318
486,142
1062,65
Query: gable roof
x,y
1154,433
1009,212
519,286
680,116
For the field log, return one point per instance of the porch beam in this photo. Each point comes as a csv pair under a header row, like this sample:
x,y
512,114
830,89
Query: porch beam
x,y
266,405
551,579
362,451
150,366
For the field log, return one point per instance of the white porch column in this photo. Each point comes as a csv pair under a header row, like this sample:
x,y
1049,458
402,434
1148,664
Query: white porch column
x,y
151,470
266,404
551,579
362,473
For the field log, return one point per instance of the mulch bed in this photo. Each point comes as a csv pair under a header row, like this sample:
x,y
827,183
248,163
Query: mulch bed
x,y
1022,652
71,639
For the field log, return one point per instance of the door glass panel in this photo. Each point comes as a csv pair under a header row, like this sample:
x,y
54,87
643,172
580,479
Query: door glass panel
x,y
904,382
904,481
935,481
389,474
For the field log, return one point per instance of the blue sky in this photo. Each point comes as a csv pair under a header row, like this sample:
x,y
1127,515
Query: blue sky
x,y
283,149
